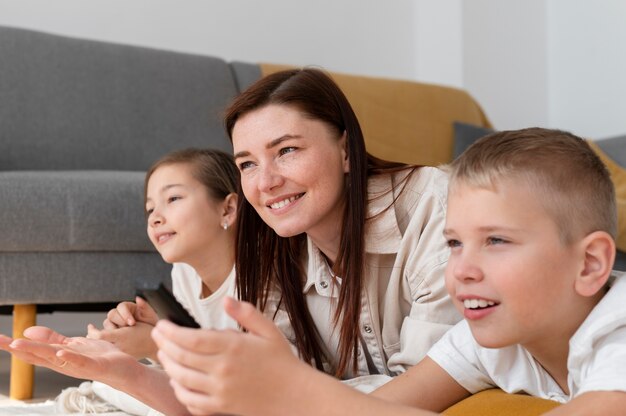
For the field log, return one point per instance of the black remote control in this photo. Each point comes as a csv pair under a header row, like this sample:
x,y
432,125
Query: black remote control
x,y
167,307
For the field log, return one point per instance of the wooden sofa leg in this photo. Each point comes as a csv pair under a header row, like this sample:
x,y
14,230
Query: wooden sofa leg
x,y
22,374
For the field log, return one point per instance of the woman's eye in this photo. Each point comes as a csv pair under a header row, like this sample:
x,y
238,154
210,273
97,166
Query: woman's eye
x,y
173,198
454,243
286,150
245,165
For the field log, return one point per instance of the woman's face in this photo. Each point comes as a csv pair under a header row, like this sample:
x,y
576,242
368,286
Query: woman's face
x,y
292,171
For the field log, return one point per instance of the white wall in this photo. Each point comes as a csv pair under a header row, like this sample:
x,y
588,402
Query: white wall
x,y
505,60
556,63
587,66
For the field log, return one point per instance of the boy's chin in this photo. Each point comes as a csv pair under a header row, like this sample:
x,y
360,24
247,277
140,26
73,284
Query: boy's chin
x,y
490,338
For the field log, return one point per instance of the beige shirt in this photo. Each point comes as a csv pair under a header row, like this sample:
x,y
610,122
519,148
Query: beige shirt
x,y
405,305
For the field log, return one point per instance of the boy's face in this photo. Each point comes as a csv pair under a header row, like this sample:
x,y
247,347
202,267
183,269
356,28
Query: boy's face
x,y
509,274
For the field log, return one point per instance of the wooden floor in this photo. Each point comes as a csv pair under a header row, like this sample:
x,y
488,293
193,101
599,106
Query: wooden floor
x,y
48,384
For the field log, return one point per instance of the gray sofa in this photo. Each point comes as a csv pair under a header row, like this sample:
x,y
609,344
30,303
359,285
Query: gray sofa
x,y
80,122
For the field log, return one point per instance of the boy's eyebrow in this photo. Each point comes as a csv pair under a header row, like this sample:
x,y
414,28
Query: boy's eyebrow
x,y
271,144
484,229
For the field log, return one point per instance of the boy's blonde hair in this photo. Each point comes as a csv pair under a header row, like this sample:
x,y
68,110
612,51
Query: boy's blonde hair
x,y
569,179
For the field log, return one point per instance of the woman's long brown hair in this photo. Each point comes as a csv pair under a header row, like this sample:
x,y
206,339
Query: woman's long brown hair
x,y
266,261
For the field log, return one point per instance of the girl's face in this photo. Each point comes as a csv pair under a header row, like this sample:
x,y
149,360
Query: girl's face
x,y
184,222
292,171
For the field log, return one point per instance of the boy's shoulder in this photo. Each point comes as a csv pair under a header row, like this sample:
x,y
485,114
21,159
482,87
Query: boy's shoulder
x,y
608,315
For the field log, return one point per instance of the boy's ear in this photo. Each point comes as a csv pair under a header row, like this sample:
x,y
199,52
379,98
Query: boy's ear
x,y
599,250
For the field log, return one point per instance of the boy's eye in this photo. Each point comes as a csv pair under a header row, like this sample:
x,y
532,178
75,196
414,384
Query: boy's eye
x,y
496,240
286,150
454,243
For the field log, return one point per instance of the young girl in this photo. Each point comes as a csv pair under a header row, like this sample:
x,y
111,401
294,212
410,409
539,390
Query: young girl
x,y
190,202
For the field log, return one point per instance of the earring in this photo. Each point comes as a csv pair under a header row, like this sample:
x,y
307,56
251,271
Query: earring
x,y
225,226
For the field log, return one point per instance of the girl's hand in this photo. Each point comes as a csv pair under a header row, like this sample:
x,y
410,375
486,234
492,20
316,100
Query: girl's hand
x,y
129,313
231,372
134,340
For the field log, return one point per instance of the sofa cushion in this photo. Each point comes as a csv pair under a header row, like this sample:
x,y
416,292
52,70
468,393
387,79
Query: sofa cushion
x,y
46,211
89,105
78,277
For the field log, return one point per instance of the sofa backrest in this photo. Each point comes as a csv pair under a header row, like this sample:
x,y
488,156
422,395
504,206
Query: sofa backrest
x,y
76,104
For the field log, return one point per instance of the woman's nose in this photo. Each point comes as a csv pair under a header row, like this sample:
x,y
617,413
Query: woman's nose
x,y
269,178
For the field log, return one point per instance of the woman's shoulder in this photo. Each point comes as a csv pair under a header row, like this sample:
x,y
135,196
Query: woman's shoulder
x,y
416,181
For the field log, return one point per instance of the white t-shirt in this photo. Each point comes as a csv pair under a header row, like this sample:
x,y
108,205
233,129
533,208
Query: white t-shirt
x,y
208,312
596,361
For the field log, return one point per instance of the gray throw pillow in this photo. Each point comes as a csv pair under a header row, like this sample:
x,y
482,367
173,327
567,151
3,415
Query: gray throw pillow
x,y
466,134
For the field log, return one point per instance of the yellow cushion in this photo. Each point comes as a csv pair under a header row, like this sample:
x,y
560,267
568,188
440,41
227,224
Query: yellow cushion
x,y
406,121
498,403
618,175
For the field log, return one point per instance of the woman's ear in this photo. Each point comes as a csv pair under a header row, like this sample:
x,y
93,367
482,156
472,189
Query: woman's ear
x,y
344,152
599,251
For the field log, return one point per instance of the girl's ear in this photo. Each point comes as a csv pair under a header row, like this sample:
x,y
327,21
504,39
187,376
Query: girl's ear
x,y
599,250
229,208
344,152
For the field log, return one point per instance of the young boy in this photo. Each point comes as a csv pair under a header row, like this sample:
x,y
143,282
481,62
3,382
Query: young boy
x,y
531,222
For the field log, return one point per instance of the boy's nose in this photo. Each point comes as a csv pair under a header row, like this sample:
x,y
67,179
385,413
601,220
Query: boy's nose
x,y
465,267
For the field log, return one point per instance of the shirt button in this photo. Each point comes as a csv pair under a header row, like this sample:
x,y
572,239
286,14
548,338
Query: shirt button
x,y
368,329
324,284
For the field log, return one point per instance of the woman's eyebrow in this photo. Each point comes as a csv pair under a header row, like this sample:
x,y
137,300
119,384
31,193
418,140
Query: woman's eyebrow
x,y
271,144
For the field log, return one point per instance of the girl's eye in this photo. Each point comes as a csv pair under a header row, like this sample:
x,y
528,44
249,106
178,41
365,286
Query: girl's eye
x,y
149,211
454,243
286,150
173,198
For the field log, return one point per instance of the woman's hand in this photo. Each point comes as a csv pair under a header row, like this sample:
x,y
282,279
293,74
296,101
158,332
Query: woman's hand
x,y
252,373
73,356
